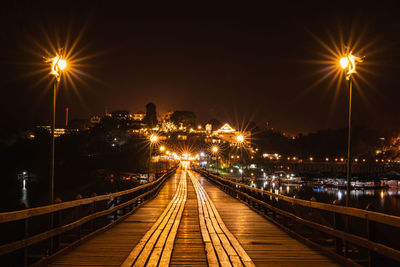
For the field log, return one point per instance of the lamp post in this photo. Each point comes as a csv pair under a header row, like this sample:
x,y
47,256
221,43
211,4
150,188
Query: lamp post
x,y
162,149
58,64
240,141
348,62
153,139
215,150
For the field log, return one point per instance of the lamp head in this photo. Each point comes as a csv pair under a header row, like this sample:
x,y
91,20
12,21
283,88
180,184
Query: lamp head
x,y
153,138
62,64
240,138
344,62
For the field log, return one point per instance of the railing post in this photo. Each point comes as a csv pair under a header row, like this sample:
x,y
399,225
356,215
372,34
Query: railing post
x,y
26,235
115,213
370,228
93,209
296,212
338,241
105,205
78,216
273,210
57,239
311,216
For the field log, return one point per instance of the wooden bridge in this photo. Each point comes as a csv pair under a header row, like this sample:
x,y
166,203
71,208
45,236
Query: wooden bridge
x,y
192,218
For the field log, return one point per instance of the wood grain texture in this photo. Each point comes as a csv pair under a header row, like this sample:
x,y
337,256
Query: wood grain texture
x,y
189,249
265,243
227,249
113,246
228,233
155,248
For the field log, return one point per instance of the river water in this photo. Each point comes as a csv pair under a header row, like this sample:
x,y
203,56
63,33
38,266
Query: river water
x,y
380,200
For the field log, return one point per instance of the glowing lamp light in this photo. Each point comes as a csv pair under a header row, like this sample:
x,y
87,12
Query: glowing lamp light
x,y
162,148
349,62
215,149
57,64
344,62
153,138
62,64
240,138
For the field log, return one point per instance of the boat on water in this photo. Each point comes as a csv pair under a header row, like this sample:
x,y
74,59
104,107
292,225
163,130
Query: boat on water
x,y
282,177
393,183
374,184
355,184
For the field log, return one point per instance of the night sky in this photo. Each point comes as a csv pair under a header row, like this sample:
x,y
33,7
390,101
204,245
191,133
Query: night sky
x,y
233,62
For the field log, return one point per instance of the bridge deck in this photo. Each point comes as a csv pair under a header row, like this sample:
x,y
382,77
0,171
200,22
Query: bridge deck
x,y
265,243
231,233
113,246
189,247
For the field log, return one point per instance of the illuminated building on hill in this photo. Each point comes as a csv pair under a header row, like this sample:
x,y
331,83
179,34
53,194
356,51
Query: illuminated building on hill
x,y
231,135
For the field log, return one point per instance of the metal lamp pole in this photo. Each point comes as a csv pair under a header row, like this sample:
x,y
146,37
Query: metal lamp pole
x,y
148,175
53,126
349,62
153,139
348,170
58,64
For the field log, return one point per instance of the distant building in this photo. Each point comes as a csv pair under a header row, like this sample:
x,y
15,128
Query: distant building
x,y
229,134
138,116
57,132
166,116
95,119
182,137
208,128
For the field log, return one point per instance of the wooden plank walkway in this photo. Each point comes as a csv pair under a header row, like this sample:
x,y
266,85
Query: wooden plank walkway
x,y
221,246
264,242
193,223
112,247
155,248
189,248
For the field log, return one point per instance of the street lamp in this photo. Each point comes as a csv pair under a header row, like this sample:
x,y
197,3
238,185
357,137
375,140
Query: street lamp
x,y
58,65
162,150
153,140
215,150
348,62
240,140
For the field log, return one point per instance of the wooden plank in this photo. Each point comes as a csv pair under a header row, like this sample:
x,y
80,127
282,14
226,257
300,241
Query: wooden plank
x,y
150,250
139,247
355,212
113,246
227,255
169,244
265,243
23,214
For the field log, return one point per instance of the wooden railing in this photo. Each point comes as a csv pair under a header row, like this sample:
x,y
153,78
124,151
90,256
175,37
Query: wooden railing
x,y
354,236
33,236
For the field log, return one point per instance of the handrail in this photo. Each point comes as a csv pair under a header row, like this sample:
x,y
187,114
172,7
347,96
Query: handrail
x,y
303,212
85,213
23,214
7,248
355,212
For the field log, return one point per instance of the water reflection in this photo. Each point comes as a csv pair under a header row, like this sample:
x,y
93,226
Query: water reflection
x,y
24,196
381,200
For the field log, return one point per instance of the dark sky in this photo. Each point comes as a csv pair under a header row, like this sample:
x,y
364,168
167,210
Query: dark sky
x,y
227,61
